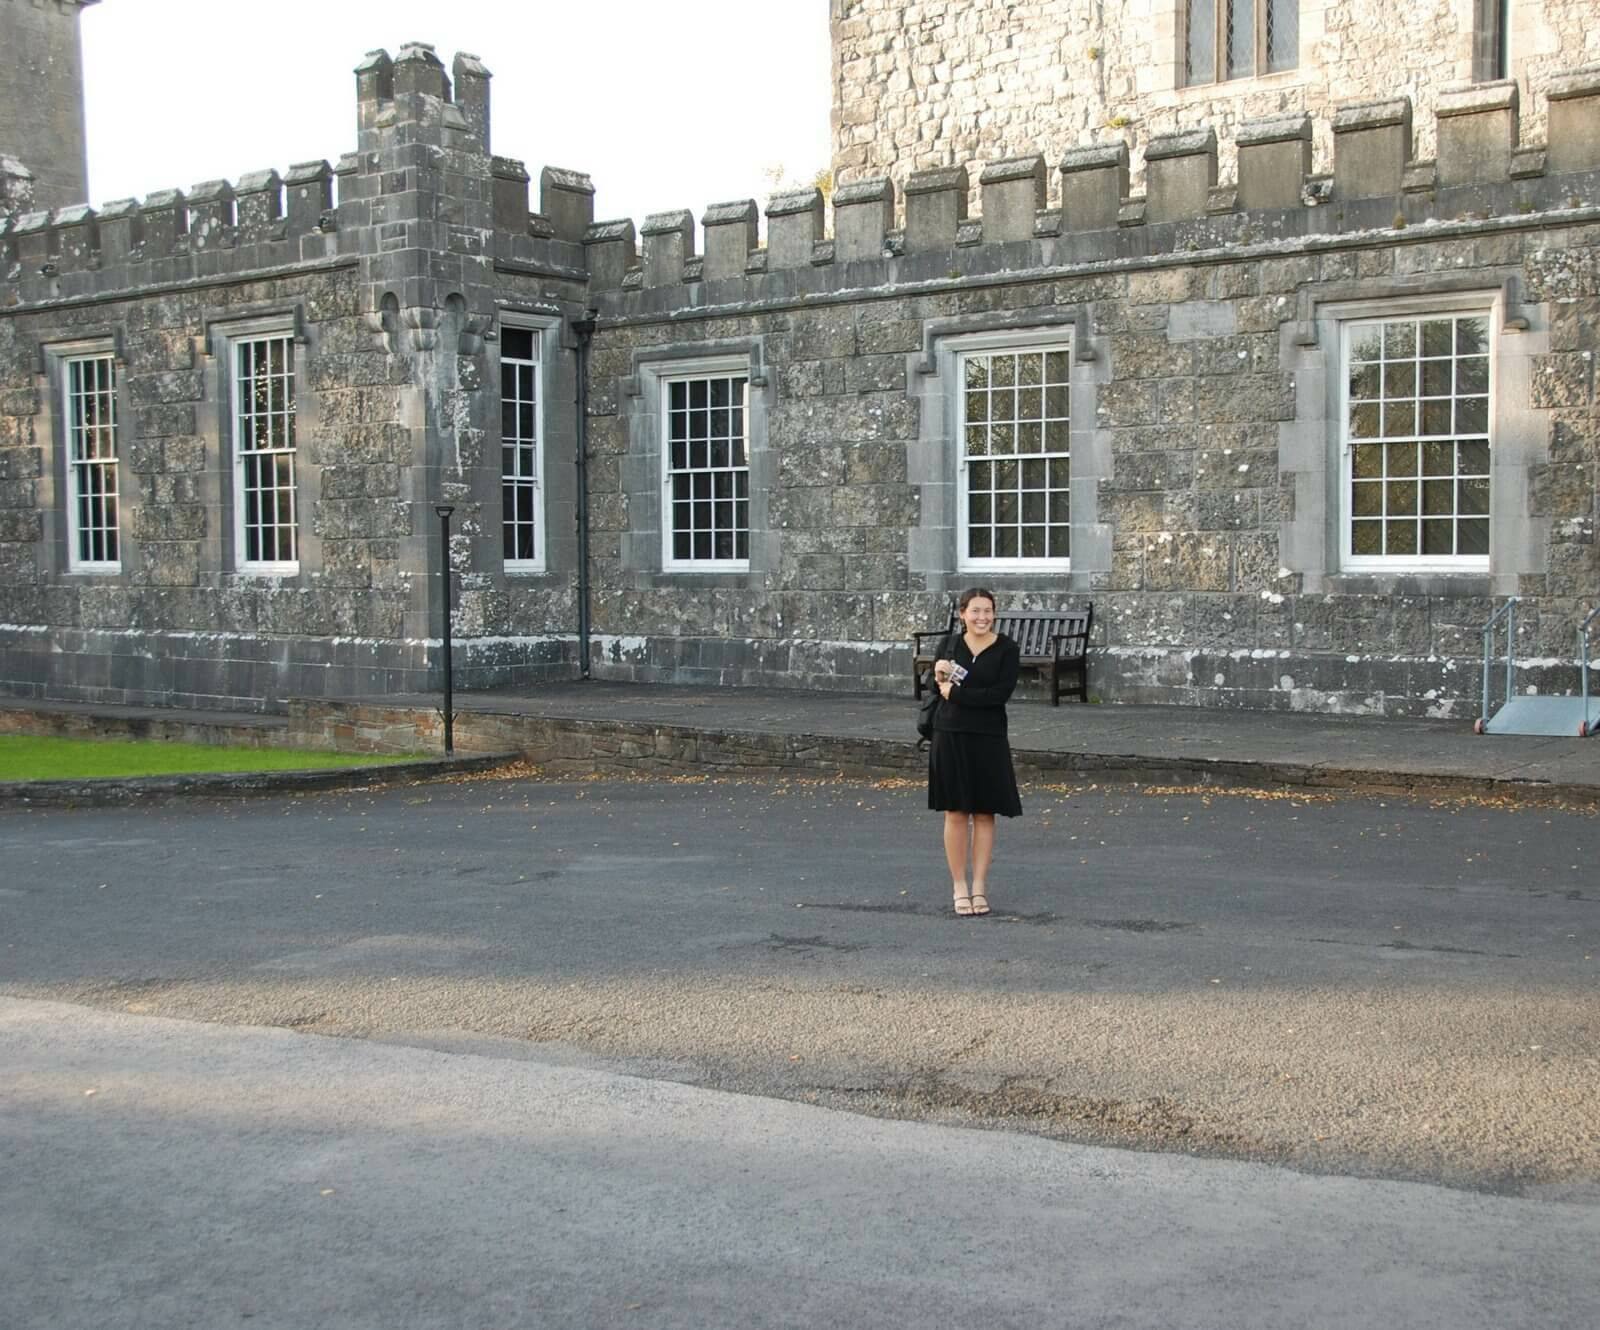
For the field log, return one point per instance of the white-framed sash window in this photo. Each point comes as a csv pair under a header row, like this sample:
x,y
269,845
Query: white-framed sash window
x,y
1416,425
521,450
705,471
1014,497
265,500
89,389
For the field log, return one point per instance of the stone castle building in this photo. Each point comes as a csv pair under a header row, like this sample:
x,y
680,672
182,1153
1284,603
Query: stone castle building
x,y
1295,427
43,151
948,82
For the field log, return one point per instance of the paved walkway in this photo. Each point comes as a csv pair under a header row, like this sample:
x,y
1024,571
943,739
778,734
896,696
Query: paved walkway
x,y
1267,746
1140,741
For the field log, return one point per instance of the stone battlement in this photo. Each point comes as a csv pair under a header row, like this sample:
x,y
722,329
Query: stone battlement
x,y
1079,209
221,229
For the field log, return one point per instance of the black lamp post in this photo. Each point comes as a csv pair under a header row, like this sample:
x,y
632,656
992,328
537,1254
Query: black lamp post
x,y
444,510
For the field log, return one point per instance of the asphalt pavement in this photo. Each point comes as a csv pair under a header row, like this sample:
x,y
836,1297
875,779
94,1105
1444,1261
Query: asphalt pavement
x,y
161,1173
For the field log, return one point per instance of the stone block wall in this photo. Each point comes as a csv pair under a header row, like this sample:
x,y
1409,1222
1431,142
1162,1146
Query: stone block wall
x,y
919,84
1206,489
1200,320
383,272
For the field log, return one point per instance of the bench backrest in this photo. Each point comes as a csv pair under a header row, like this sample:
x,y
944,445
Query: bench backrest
x,y
1033,629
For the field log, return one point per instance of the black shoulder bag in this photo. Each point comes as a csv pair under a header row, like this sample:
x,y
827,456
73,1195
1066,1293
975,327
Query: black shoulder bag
x,y
930,696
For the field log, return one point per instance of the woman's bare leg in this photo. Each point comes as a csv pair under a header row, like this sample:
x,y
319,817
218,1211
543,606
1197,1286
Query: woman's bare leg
x,y
982,854
955,850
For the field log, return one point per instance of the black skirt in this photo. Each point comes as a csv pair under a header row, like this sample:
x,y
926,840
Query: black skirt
x,y
972,773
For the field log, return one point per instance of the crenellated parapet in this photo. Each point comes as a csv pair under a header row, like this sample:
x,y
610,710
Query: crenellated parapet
x,y
423,135
1080,209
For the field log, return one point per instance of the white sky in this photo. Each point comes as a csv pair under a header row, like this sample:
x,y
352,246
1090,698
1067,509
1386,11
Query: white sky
x,y
666,105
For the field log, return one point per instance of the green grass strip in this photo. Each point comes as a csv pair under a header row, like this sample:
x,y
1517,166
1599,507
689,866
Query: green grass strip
x,y
24,757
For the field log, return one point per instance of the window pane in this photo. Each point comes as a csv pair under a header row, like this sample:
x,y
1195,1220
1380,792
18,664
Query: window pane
x,y
1472,374
1366,499
1366,538
1438,497
1401,496
1472,537
1241,38
1472,415
1200,57
1438,537
1368,461
1399,418
1399,340
1438,459
1400,537
1402,459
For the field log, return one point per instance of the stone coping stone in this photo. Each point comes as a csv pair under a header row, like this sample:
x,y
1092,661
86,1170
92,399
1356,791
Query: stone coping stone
x,y
559,177
936,179
877,190
600,232
1584,82
508,168
1477,98
1012,168
793,201
1094,157
1372,115
1185,143
665,223
301,173
1274,129
736,210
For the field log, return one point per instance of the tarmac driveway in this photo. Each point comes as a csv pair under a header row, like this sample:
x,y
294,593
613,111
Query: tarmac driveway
x,y
1344,985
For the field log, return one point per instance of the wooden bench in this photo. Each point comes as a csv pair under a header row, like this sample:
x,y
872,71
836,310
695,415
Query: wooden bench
x,y
1053,640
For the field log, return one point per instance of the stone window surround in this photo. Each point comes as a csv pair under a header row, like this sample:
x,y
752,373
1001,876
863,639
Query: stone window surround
x,y
1310,445
545,328
54,357
642,398
932,462
217,424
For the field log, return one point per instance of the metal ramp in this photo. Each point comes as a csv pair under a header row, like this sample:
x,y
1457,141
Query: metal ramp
x,y
1569,716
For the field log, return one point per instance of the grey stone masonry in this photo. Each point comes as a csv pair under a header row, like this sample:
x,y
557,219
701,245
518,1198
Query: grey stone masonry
x,y
1164,401
1205,328
390,297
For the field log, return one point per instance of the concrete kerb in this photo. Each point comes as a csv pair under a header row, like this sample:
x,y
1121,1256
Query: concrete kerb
x,y
99,792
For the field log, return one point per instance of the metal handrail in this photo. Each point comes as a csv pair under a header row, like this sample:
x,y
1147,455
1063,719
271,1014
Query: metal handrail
x,y
1583,660
1508,612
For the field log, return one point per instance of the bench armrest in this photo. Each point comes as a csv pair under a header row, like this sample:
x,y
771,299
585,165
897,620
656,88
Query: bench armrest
x,y
916,638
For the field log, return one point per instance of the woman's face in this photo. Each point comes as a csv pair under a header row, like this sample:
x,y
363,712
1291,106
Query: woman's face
x,y
979,614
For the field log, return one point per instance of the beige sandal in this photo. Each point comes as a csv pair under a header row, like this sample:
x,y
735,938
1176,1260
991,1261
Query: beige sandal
x,y
976,908
964,908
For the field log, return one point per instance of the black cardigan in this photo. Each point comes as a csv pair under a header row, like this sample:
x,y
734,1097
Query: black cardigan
x,y
977,705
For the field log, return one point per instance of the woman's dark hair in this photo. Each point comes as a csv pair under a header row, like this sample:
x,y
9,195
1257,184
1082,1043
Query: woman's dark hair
x,y
971,594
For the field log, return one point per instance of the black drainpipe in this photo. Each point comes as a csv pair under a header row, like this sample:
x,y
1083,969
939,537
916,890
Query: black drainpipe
x,y
583,330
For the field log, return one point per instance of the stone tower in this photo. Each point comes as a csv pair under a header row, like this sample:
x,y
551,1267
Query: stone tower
x,y
41,100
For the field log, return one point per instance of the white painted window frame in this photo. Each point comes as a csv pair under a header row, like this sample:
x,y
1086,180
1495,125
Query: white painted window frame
x,y
69,359
1487,305
687,371
235,337
1001,342
541,329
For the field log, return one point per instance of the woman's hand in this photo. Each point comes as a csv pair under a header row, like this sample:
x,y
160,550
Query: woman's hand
x,y
942,669
946,688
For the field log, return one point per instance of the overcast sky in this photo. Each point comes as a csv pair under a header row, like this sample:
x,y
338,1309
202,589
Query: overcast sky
x,y
665,105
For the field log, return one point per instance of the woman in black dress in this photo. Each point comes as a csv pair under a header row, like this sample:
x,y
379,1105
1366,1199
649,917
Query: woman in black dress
x,y
970,777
